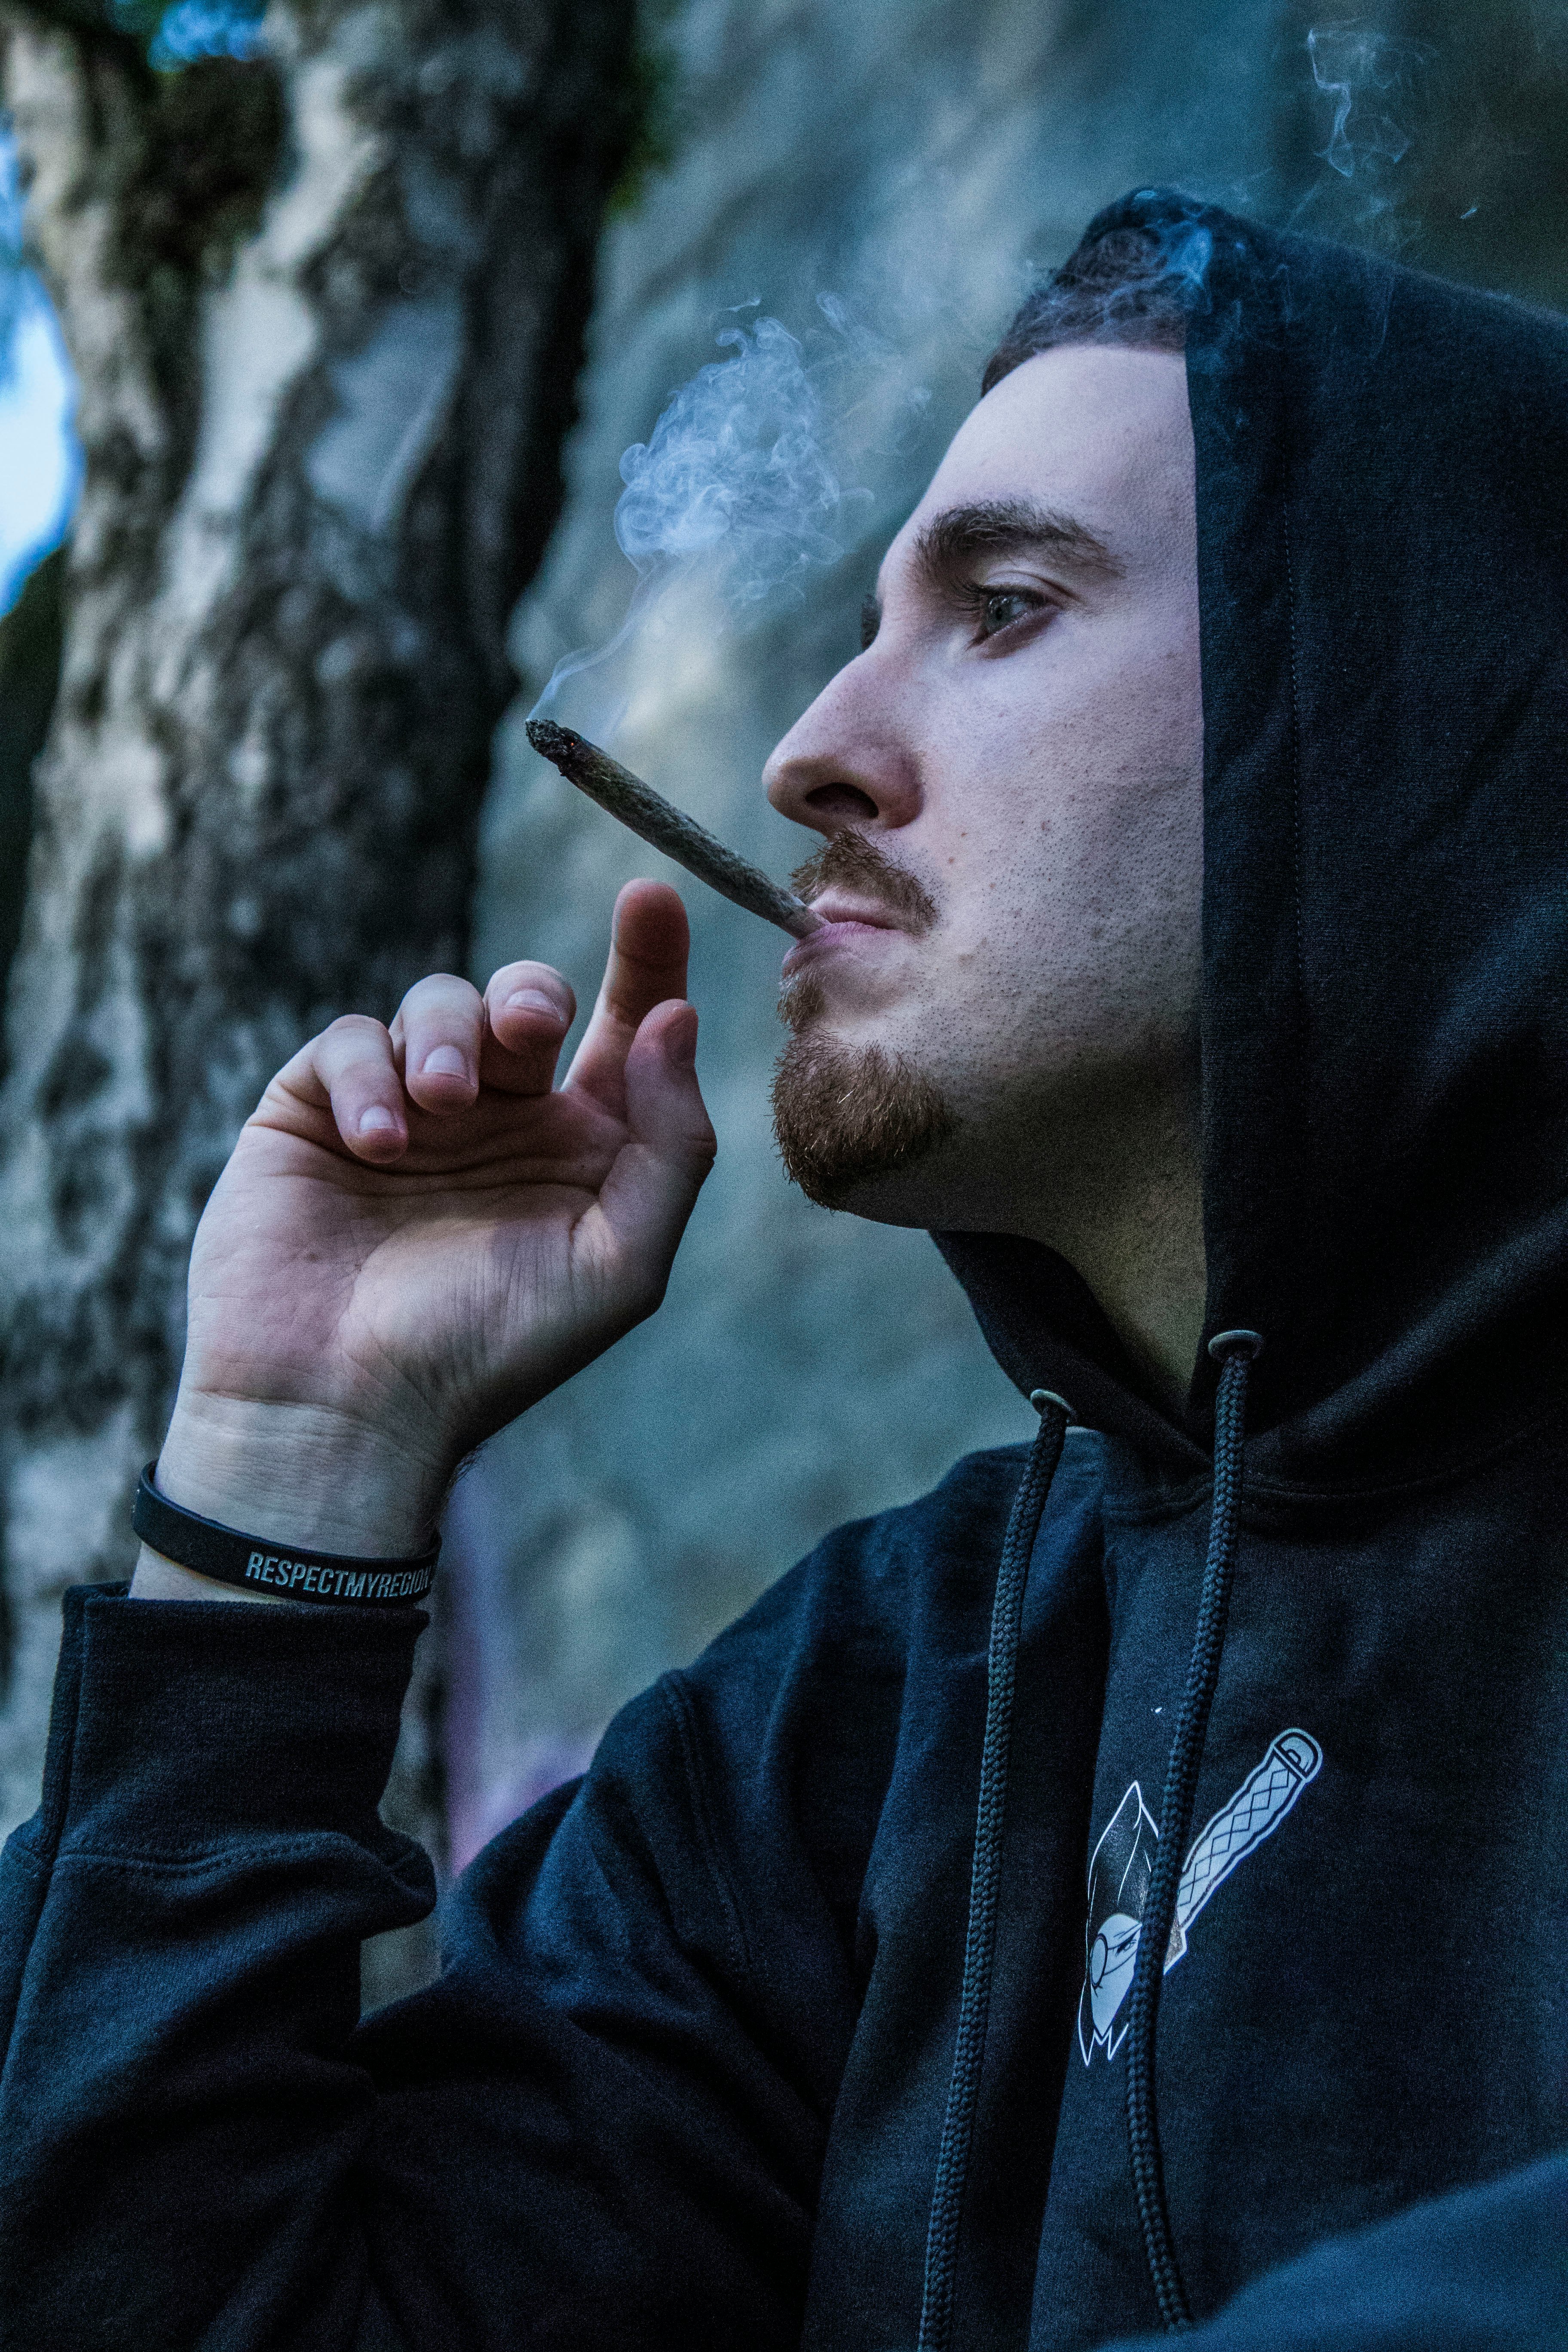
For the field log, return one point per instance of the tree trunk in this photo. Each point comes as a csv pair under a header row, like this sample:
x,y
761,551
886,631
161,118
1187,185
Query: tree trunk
x,y
29,675
326,310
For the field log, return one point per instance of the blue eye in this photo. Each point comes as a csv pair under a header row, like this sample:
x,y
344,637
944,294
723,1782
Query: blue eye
x,y
1002,606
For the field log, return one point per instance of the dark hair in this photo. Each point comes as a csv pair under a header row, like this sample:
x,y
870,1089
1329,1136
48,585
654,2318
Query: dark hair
x,y
1120,287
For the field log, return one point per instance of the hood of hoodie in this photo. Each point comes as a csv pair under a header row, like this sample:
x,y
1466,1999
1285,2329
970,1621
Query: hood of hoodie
x,y
1383,552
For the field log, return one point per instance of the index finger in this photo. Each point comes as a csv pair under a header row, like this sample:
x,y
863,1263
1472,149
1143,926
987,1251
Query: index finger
x,y
649,944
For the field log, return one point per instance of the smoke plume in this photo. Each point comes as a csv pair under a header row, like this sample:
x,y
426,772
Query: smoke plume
x,y
756,479
1371,79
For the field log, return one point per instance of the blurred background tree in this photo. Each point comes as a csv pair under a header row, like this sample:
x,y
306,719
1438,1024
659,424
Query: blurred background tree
x,y
333,289
325,309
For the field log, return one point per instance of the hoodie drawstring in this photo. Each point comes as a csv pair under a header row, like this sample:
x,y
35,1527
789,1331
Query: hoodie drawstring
x,y
1234,1350
979,1944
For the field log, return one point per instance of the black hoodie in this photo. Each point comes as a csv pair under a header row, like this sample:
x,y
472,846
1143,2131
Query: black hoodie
x,y
686,2075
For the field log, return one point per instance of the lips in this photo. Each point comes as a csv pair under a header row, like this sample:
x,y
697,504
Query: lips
x,y
847,920
845,906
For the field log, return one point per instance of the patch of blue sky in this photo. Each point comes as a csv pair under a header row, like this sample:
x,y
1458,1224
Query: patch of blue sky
x,y
196,29
40,460
190,29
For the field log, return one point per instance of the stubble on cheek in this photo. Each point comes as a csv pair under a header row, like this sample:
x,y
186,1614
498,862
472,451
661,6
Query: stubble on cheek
x,y
846,1116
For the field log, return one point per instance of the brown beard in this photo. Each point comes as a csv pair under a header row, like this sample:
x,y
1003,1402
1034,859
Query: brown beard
x,y
850,858
844,1117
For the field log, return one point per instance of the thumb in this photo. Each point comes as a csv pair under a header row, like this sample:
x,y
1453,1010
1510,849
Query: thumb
x,y
665,1109
657,1177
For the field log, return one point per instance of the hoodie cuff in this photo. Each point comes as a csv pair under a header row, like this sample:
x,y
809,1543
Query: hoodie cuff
x,y
179,1725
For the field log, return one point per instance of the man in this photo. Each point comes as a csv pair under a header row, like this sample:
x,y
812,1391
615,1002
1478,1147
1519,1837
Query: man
x,y
1078,1901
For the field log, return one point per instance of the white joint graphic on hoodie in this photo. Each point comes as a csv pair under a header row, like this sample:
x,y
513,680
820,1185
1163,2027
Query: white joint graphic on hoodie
x,y
1122,1863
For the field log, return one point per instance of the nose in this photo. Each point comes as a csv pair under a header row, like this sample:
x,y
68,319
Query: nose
x,y
846,764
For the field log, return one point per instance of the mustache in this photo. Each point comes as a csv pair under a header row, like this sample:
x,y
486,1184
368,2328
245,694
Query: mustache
x,y
850,858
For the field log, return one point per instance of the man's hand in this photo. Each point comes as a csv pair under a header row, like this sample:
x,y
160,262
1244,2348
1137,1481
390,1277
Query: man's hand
x,y
416,1238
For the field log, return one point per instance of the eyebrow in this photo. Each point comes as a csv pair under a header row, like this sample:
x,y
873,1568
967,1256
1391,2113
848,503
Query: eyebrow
x,y
961,536
951,541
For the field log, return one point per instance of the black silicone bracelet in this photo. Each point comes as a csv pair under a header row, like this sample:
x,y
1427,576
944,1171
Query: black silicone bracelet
x,y
260,1567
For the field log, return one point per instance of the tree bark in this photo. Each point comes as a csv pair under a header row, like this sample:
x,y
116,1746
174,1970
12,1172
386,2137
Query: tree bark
x,y
29,675
326,310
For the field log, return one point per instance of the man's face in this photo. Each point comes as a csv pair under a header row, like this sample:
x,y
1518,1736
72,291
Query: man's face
x,y
1011,779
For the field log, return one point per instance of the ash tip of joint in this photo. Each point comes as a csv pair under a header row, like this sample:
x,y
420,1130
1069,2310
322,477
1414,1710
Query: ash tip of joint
x,y
549,740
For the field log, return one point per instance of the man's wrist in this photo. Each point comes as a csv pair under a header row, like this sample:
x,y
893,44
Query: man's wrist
x,y
157,1579
298,1475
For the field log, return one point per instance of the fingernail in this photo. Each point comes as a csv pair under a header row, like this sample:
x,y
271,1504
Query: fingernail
x,y
377,1120
533,1000
446,1062
682,1045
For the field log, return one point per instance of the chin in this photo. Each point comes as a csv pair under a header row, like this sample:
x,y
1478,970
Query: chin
x,y
860,1128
